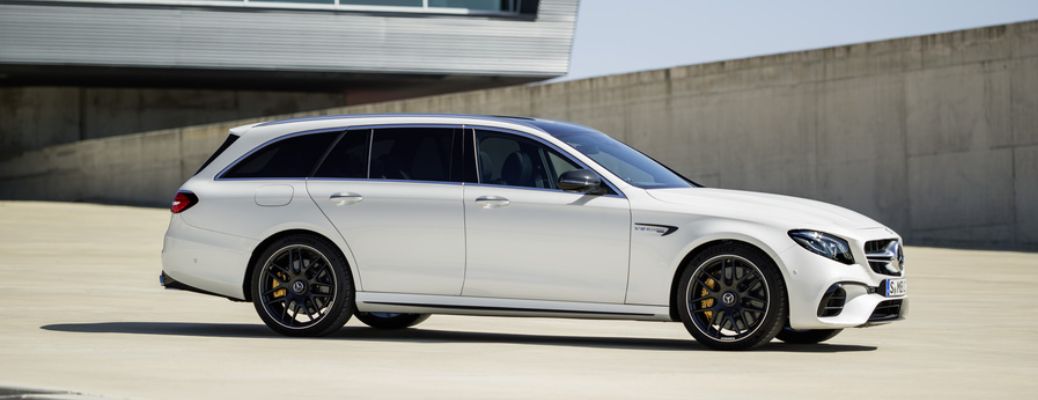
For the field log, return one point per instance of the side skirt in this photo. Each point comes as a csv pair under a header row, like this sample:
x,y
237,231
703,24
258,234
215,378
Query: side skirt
x,y
461,305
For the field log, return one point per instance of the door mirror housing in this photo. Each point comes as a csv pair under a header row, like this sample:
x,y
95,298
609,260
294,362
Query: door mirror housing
x,y
581,180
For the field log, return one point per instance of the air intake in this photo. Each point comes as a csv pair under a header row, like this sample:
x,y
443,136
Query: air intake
x,y
832,302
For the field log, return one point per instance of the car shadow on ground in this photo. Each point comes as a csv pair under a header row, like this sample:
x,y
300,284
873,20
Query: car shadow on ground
x,y
416,335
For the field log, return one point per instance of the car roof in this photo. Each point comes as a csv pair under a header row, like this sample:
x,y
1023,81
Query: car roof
x,y
271,130
527,121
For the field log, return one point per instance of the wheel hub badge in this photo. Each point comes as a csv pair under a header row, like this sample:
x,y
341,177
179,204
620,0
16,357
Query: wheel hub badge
x,y
298,287
728,298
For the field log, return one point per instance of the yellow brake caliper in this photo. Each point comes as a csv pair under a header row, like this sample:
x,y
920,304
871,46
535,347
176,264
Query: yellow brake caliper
x,y
707,302
280,292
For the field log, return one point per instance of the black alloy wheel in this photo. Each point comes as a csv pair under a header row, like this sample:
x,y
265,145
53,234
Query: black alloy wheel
x,y
732,297
303,287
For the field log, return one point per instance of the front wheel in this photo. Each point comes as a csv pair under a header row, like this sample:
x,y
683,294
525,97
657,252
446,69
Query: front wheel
x,y
732,297
384,320
301,286
809,336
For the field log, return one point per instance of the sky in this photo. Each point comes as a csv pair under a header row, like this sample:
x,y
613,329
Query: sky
x,y
615,36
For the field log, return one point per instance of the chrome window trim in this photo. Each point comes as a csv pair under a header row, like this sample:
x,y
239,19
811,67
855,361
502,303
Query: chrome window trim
x,y
363,180
462,126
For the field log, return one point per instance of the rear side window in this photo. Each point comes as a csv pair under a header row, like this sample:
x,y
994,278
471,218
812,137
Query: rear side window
x,y
219,150
416,154
349,157
289,158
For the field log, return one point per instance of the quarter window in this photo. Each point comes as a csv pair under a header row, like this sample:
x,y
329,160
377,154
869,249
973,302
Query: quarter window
x,y
349,157
289,158
515,161
219,150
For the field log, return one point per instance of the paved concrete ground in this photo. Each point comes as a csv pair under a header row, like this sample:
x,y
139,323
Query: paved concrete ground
x,y
82,311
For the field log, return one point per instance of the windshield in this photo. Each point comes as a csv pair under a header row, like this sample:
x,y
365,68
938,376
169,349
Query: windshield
x,y
623,161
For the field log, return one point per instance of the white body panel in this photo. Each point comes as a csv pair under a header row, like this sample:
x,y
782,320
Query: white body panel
x,y
546,245
407,237
431,247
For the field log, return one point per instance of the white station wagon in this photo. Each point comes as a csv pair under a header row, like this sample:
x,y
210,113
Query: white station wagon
x,y
395,217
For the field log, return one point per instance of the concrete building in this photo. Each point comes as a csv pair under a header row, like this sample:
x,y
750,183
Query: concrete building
x,y
936,136
80,69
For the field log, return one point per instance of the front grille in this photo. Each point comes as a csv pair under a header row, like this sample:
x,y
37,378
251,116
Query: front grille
x,y
832,302
887,310
885,256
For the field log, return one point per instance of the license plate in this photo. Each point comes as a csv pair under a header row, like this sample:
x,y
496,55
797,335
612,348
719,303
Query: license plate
x,y
895,287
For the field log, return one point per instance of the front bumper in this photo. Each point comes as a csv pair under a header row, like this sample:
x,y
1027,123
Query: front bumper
x,y
824,294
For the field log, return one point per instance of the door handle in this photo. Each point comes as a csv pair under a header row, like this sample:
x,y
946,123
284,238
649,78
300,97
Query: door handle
x,y
342,199
492,201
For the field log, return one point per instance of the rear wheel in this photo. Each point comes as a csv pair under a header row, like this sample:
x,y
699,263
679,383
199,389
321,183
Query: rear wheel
x,y
301,286
384,320
732,297
808,336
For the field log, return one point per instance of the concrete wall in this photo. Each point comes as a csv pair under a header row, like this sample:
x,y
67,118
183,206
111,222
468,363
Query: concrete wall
x,y
936,136
32,117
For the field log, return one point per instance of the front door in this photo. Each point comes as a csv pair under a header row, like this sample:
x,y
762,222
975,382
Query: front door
x,y
526,239
401,211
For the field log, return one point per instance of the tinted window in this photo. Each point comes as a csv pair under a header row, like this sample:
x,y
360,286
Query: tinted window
x,y
226,143
515,161
416,154
349,157
289,158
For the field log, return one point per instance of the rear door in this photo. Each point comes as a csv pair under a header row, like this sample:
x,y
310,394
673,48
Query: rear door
x,y
395,195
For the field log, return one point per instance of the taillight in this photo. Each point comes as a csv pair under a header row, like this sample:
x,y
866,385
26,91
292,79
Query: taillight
x,y
182,201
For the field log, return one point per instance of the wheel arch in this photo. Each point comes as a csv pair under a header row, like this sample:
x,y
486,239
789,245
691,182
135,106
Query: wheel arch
x,y
262,245
707,245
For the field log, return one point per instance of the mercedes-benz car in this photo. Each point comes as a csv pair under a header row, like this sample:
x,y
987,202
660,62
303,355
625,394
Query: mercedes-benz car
x,y
391,218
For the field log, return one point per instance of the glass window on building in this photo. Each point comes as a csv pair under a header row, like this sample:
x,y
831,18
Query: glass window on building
x,y
479,5
328,2
393,3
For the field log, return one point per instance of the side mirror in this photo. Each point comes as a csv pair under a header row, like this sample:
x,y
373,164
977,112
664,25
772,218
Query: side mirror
x,y
581,180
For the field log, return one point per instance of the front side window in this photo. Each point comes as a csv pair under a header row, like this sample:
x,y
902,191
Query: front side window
x,y
623,161
294,157
516,161
416,154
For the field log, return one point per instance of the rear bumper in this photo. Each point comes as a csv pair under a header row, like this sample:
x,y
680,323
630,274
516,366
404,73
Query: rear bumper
x,y
172,284
204,261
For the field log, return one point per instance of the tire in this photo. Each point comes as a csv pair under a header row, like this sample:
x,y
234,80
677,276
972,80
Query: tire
x,y
391,320
745,307
809,336
301,286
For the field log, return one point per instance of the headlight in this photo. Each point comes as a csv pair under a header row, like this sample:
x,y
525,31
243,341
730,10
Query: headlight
x,y
824,244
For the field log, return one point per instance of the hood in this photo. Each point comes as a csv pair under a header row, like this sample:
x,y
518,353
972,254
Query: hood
x,y
793,212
